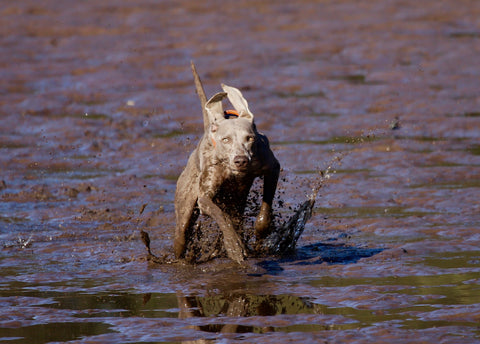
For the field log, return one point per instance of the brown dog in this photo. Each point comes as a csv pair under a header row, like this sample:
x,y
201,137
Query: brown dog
x,y
220,173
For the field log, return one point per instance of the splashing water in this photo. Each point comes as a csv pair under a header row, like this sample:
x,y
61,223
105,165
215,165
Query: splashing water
x,y
283,239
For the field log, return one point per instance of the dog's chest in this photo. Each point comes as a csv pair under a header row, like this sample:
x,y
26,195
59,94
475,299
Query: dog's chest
x,y
234,190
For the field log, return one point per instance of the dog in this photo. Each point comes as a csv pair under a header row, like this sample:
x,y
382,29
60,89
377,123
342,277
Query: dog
x,y
220,171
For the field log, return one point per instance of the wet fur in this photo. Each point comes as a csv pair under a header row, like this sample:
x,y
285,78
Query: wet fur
x,y
220,172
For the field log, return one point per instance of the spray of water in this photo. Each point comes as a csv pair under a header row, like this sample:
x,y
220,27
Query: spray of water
x,y
324,175
284,238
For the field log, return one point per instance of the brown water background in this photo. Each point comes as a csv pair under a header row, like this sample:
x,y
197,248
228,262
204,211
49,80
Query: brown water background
x,y
98,115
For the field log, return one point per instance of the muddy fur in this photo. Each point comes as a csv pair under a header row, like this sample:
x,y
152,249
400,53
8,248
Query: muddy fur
x,y
218,176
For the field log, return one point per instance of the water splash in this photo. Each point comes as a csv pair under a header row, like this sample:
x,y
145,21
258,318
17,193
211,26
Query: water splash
x,y
283,239
324,175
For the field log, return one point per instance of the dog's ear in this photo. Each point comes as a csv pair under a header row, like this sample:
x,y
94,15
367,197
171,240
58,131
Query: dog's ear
x,y
214,108
239,103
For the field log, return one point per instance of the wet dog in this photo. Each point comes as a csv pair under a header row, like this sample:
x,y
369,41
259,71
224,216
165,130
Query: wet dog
x,y
220,172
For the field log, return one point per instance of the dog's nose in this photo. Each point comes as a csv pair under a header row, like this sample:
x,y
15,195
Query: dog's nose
x,y
240,161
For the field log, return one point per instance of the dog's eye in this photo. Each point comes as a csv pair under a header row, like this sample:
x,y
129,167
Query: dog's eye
x,y
226,140
250,138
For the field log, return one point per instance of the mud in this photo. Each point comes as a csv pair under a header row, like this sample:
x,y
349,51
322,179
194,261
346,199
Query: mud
x,y
97,118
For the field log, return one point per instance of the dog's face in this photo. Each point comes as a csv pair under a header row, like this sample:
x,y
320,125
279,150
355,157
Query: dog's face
x,y
233,139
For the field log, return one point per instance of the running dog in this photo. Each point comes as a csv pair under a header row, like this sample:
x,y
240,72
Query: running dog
x,y
220,172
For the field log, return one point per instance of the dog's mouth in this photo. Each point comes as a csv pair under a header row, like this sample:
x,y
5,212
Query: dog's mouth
x,y
243,169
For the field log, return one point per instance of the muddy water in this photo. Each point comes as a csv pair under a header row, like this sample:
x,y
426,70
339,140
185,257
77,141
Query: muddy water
x,y
98,115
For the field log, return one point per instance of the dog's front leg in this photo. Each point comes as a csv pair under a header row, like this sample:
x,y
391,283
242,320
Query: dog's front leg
x,y
210,182
232,241
264,218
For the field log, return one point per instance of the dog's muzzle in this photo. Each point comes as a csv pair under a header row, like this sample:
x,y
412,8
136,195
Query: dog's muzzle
x,y
241,162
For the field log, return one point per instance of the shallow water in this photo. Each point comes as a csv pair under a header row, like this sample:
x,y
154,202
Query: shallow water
x,y
98,115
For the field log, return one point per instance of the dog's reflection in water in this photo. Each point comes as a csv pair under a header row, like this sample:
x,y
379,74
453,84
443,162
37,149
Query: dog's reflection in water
x,y
226,308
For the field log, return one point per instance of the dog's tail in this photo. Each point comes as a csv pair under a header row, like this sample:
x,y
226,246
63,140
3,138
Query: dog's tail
x,y
201,95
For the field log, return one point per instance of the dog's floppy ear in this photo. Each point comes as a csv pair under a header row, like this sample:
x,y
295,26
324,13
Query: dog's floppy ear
x,y
214,107
239,103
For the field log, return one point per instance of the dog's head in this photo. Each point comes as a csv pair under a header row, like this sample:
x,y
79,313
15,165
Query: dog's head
x,y
232,139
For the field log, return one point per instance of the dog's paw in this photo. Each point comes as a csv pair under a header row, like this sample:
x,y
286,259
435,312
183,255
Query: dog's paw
x,y
234,246
263,222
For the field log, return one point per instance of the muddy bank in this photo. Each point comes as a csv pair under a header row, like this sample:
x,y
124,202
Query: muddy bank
x,y
98,116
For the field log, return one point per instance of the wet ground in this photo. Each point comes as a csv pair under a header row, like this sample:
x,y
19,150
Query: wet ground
x,y
98,115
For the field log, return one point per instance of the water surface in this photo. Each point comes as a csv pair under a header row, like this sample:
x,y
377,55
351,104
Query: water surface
x,y
98,115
